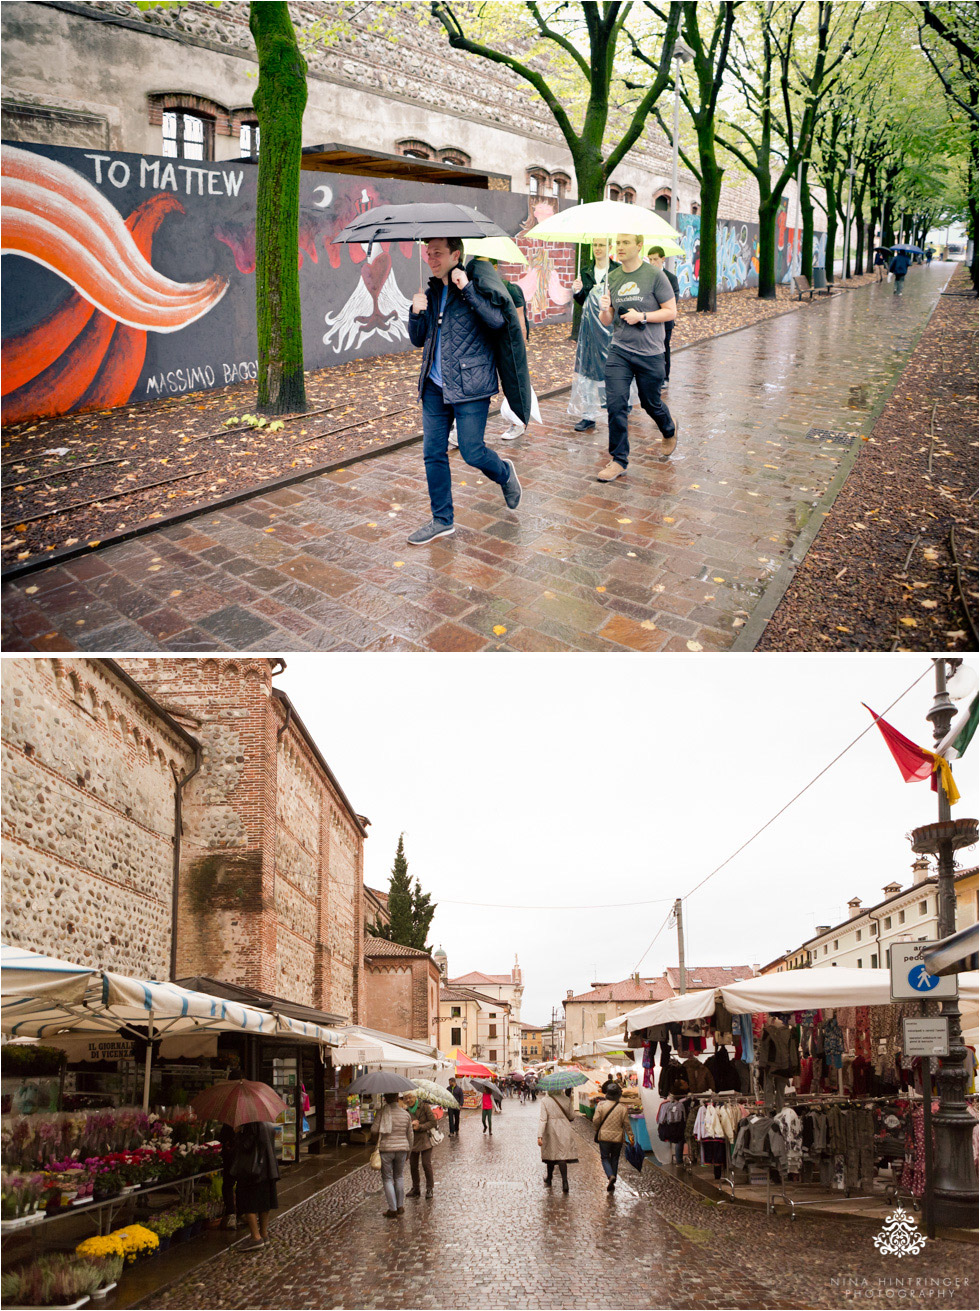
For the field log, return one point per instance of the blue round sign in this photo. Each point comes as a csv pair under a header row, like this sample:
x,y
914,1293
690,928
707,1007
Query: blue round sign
x,y
921,980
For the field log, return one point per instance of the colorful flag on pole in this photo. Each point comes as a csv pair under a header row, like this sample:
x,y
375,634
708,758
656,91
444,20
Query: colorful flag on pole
x,y
916,763
961,732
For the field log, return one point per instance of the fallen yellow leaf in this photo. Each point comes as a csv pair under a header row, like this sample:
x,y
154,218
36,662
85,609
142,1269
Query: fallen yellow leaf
x,y
909,623
695,646
499,629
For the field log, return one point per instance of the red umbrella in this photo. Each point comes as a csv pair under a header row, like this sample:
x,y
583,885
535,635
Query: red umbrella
x,y
238,1102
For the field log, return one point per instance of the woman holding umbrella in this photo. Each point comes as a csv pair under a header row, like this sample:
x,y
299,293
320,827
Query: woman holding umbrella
x,y
424,1124
395,1134
556,1137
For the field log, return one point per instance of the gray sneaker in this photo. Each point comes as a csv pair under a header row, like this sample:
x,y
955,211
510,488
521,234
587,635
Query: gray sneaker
x,y
512,488
430,531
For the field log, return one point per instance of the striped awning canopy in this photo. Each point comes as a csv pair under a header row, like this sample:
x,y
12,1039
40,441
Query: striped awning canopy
x,y
100,1002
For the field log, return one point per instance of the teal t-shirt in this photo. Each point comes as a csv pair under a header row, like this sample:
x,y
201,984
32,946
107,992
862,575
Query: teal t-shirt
x,y
645,290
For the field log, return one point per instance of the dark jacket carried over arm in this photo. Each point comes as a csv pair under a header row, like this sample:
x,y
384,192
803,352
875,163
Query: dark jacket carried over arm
x,y
508,345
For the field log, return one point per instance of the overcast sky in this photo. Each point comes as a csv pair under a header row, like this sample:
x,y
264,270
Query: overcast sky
x,y
592,781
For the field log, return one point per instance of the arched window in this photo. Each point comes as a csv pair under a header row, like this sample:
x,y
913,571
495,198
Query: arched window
x,y
189,123
628,196
538,182
613,192
661,201
560,182
695,207
415,149
248,140
450,155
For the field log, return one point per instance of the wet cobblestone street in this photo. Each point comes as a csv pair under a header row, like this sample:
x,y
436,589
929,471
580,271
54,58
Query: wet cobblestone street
x,y
494,1236
676,556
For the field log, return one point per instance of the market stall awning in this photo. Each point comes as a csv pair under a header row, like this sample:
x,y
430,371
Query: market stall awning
x,y
689,1006
801,990
955,954
395,1053
27,975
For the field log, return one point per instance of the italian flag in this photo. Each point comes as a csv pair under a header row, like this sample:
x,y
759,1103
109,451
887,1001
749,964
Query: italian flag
x,y
915,763
961,733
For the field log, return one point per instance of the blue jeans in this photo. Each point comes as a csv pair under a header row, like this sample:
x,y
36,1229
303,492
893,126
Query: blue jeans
x,y
471,423
610,1158
393,1178
648,370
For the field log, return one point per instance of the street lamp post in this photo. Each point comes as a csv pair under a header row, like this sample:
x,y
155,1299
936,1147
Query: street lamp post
x,y
682,54
955,1179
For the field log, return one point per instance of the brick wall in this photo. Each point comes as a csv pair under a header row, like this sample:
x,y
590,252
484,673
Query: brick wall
x,y
87,816
390,987
271,892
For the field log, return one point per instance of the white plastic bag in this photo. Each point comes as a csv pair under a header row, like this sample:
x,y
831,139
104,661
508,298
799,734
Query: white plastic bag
x,y
508,414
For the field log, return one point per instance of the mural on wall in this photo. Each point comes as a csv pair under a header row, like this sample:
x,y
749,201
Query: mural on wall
x,y
130,277
90,348
738,252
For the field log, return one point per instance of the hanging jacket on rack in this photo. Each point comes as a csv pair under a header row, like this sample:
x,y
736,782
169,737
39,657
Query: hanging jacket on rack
x,y
744,1075
673,1080
788,1123
779,1050
722,1068
699,1077
752,1141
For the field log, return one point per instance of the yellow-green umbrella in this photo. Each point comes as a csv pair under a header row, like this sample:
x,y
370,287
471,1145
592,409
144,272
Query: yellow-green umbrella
x,y
603,218
495,248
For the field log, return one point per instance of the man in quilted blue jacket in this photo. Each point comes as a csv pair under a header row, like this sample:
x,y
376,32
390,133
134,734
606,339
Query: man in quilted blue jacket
x,y
455,324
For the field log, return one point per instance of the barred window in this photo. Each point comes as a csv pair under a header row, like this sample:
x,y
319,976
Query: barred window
x,y
187,136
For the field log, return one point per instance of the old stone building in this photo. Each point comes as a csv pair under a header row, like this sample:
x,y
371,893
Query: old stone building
x,y
401,990
92,767
271,873
267,849
179,80
506,988
480,1025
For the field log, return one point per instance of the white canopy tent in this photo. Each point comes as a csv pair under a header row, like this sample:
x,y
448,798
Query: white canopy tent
x,y
26,976
390,1054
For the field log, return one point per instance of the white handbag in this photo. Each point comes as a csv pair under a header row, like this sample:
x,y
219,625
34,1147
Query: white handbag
x,y
436,1136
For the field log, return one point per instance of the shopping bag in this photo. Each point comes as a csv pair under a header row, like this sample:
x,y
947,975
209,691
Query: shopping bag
x,y
436,1136
508,414
376,1159
891,277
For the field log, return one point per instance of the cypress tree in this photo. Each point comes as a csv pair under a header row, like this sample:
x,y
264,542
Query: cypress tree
x,y
410,910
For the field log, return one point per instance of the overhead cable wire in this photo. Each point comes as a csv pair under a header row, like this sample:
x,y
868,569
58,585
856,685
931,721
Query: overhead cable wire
x,y
782,810
605,905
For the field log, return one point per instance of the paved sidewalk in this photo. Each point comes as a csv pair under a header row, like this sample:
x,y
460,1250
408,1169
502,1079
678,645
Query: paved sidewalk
x,y
492,1236
676,556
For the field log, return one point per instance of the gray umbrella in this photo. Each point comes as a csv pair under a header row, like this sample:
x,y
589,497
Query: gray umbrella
x,y
381,1081
483,1086
418,223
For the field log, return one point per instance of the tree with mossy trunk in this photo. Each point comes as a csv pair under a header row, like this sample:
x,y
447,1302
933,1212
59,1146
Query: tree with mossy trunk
x,y
279,101
707,31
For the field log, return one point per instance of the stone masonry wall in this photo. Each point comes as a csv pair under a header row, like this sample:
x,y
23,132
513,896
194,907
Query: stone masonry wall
x,y
226,917
389,985
87,816
299,803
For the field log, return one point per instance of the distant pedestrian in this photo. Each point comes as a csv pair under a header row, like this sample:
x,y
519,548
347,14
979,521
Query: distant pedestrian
x,y
453,1116
929,254
393,1129
255,1171
900,267
610,1121
637,303
656,257
486,1116
556,1137
465,321
424,1123
880,264
588,396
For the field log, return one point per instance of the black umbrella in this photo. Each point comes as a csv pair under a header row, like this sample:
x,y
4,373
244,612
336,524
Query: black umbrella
x,y
418,223
490,1088
381,1081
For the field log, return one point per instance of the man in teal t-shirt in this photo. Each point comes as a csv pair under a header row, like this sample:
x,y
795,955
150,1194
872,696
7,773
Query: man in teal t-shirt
x,y
640,300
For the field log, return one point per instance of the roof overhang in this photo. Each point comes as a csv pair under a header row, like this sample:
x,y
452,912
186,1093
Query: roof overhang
x,y
356,161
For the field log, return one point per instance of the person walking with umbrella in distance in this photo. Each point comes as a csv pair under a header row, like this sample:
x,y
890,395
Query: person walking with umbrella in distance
x,y
556,1138
454,322
457,1094
393,1129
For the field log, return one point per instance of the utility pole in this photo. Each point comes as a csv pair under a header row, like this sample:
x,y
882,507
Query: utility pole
x,y
851,170
679,917
955,1180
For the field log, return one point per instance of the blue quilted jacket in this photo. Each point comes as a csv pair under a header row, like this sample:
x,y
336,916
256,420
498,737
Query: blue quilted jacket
x,y
469,367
